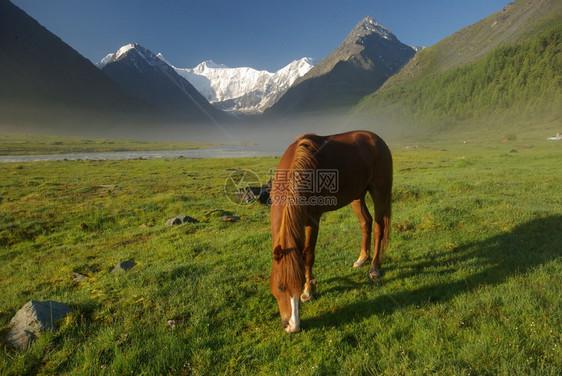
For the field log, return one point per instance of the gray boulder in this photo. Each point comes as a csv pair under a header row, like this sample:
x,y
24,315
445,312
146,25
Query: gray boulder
x,y
33,318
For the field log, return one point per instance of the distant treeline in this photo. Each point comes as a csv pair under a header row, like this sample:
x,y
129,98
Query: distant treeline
x,y
520,80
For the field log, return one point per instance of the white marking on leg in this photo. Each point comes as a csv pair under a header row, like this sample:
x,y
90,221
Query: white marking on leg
x,y
294,322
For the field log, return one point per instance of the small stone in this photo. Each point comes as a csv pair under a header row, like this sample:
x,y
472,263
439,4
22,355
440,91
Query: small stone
x,y
77,277
180,219
123,266
173,221
172,323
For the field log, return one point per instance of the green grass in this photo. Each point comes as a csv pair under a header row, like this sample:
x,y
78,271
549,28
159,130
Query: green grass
x,y
18,144
471,283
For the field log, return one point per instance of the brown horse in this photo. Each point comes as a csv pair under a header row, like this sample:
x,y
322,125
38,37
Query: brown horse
x,y
315,175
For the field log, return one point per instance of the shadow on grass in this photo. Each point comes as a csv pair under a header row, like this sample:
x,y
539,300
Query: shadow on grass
x,y
494,260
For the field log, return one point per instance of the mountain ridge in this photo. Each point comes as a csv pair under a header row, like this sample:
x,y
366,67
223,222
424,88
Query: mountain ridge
x,y
243,89
237,90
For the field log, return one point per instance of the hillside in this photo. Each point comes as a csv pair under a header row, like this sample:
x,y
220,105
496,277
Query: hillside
x,y
511,79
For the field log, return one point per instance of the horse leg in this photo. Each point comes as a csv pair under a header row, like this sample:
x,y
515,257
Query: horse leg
x,y
366,222
382,222
308,254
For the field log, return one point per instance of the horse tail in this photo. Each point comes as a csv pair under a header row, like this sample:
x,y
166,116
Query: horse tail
x,y
387,215
386,175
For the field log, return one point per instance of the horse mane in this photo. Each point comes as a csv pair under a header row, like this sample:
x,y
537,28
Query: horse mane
x,y
292,232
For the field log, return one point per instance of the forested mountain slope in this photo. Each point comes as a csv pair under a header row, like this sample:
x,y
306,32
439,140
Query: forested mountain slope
x,y
516,83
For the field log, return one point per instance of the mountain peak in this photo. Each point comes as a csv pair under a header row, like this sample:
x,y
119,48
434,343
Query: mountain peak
x,y
135,52
207,66
358,66
121,53
368,26
210,64
306,60
298,68
125,49
103,62
161,57
369,20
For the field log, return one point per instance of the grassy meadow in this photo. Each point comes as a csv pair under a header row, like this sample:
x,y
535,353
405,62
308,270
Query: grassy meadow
x,y
471,283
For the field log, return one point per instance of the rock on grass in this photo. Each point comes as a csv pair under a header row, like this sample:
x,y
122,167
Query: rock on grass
x,y
123,266
33,318
180,219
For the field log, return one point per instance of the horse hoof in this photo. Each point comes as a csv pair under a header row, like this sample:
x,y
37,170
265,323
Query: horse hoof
x,y
359,263
374,274
290,329
306,297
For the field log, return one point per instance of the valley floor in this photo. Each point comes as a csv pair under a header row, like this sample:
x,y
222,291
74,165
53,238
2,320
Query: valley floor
x,y
471,282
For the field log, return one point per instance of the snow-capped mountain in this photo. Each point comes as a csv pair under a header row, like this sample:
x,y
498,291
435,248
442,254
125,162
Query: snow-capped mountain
x,y
242,89
142,73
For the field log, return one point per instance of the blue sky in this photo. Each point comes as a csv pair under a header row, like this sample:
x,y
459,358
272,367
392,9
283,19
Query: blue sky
x,y
265,34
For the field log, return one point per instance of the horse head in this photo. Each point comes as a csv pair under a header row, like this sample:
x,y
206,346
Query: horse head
x,y
286,282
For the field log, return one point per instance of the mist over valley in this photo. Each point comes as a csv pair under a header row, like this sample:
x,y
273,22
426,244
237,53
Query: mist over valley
x,y
138,94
